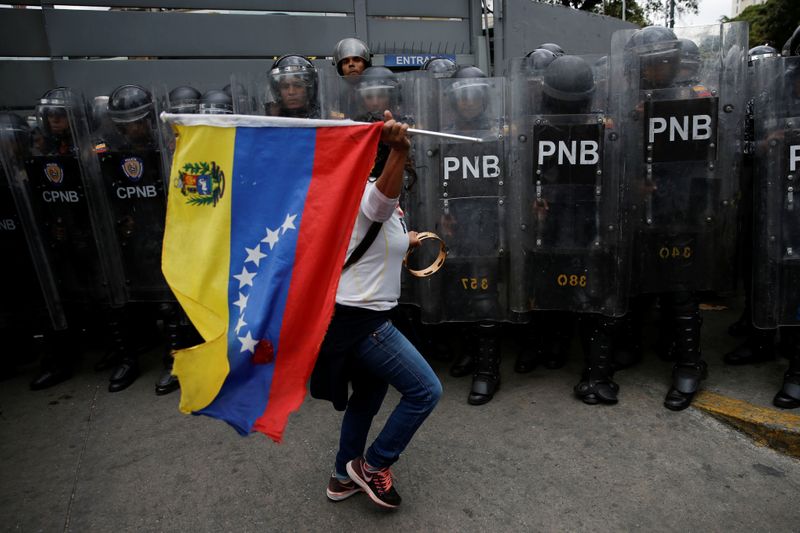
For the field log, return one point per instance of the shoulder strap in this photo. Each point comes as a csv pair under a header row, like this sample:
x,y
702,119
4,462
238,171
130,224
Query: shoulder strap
x,y
362,247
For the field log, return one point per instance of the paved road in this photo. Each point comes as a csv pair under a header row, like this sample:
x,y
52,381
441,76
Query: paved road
x,y
78,458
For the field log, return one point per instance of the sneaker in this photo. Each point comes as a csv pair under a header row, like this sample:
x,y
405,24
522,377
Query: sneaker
x,y
339,490
377,485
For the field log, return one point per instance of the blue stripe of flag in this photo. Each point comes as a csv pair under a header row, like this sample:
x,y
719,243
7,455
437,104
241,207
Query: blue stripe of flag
x,y
272,170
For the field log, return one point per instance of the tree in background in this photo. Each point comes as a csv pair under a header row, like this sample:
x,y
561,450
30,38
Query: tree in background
x,y
641,12
771,23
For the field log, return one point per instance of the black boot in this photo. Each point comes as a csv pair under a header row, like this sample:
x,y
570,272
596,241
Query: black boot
x,y
464,363
596,385
529,352
60,353
789,395
126,372
486,379
627,341
124,375
743,326
690,369
557,336
167,382
758,348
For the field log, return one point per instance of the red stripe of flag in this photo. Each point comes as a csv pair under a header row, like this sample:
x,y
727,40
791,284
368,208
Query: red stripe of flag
x,y
342,160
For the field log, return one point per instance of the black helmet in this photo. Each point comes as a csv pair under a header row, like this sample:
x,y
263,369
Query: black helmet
x,y
657,48
296,69
377,78
792,46
470,84
129,103
439,67
52,103
183,99
539,59
553,47
350,47
568,85
759,52
690,58
380,82
215,103
14,129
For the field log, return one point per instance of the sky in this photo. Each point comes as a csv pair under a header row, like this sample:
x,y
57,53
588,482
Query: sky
x,y
709,13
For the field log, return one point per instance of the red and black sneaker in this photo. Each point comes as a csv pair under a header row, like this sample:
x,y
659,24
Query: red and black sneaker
x,y
339,490
378,485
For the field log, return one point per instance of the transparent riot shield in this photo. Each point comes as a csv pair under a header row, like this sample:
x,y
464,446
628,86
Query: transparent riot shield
x,y
68,207
683,129
27,270
463,200
776,255
567,251
131,171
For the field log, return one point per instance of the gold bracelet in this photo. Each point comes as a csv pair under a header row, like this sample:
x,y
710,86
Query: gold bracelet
x,y
437,263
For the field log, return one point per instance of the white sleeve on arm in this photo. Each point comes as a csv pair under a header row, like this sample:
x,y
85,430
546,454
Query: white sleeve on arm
x,y
376,206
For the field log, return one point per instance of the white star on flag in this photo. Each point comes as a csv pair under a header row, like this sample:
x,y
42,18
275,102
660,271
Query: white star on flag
x,y
288,223
245,278
254,254
241,302
271,238
240,324
248,343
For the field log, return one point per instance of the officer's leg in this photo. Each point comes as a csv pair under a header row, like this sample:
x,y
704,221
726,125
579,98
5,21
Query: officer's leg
x,y
627,335
486,379
557,332
597,336
789,395
757,348
529,345
464,363
60,354
126,372
689,369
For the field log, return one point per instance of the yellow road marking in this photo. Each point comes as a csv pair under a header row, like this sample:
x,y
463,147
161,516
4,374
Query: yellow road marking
x,y
768,427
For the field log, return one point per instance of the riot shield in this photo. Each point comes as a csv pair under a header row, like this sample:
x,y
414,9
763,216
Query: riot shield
x,y
132,177
682,135
68,207
776,255
462,199
26,270
567,251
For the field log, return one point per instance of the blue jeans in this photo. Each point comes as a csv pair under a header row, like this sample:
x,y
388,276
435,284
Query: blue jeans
x,y
392,360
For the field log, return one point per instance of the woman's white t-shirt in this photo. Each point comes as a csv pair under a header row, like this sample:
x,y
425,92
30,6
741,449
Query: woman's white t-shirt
x,y
373,282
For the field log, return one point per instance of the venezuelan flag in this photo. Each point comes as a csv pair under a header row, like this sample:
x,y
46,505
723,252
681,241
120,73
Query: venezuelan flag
x,y
260,211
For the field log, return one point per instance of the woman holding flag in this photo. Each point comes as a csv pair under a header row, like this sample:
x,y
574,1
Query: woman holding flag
x,y
362,346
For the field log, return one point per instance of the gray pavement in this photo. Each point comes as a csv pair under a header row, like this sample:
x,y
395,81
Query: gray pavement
x,y
80,459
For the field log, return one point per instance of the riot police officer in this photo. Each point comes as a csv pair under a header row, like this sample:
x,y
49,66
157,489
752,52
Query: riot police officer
x,y
294,85
132,176
351,57
683,187
777,155
65,216
184,99
179,329
759,344
552,47
439,67
215,103
22,310
466,208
